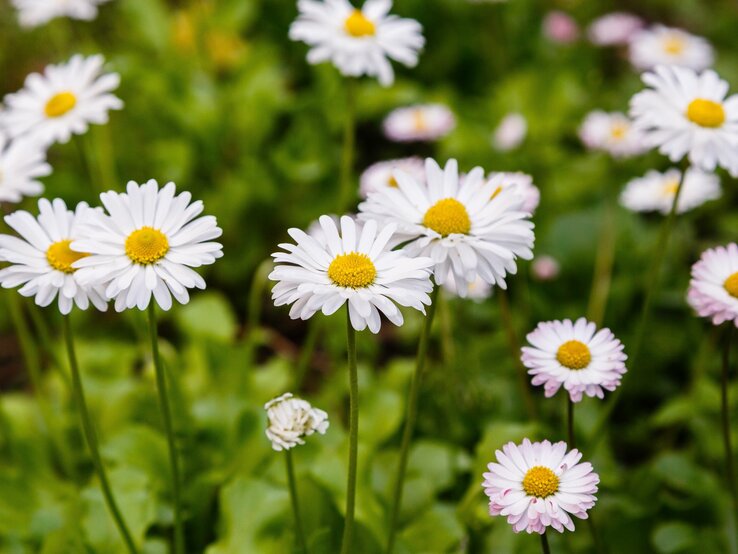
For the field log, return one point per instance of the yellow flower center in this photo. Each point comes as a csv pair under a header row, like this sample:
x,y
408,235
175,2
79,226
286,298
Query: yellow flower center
x,y
618,131
352,270
60,103
574,354
447,217
731,285
670,188
419,121
392,182
146,246
706,113
674,45
540,482
61,257
357,25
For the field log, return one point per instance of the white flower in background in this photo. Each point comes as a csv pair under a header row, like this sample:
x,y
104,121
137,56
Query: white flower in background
x,y
575,356
355,267
661,45
357,41
42,260
655,191
146,244
381,174
540,485
62,102
463,227
22,162
560,27
478,290
614,29
713,290
613,133
291,419
421,123
510,133
520,183
685,113
32,13
545,268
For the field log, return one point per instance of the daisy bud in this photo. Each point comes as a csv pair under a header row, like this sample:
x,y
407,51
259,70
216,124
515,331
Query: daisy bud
x,y
291,419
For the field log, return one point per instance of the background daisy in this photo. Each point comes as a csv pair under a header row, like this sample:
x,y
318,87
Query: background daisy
x,y
291,419
22,162
613,133
424,122
32,13
521,184
614,29
713,290
382,174
655,191
660,45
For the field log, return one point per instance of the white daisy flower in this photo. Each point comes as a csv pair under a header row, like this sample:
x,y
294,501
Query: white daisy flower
x,y
613,133
146,244
381,174
614,29
62,102
22,162
351,267
42,259
478,290
575,355
545,268
357,41
32,13
421,123
291,419
540,485
463,227
713,290
655,191
520,183
510,133
684,113
661,45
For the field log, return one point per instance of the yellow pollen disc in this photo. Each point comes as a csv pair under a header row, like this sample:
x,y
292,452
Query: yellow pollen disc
x,y
59,104
146,246
540,482
731,285
670,188
352,270
447,217
61,257
674,45
357,25
706,113
618,131
574,355
419,121
392,182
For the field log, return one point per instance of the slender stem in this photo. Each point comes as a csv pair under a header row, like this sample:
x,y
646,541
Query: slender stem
x,y
410,418
348,530
600,546
603,265
90,434
447,336
349,144
725,413
544,544
253,316
166,412
570,423
302,543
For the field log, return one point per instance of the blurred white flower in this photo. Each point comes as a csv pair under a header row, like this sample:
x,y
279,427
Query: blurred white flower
x,y
477,290
357,41
32,13
614,29
685,113
510,133
613,133
381,174
291,419
520,183
22,162
545,268
655,191
713,290
560,27
61,102
421,123
661,45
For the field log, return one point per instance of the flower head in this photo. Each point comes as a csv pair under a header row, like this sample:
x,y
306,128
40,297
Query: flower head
x,y
421,123
478,291
713,290
520,183
291,419
146,244
661,45
540,485
560,27
613,133
545,268
614,29
510,133
655,191
357,41
22,162
575,355
382,174
32,13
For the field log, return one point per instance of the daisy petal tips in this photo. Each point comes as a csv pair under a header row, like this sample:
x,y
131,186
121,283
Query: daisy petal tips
x,y
355,266
146,245
291,419
713,290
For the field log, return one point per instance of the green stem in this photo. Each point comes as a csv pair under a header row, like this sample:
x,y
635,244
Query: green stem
x,y
302,543
347,192
348,530
166,412
603,265
544,544
410,418
725,413
253,312
88,430
570,423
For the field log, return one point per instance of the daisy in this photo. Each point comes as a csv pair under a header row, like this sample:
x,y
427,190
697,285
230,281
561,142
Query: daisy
x,y
351,267
62,102
575,355
685,113
545,268
464,227
42,259
146,244
478,290
560,27
357,41
713,290
291,419
661,45
613,133
421,123
614,29
510,133
520,183
540,485
655,191
381,174
32,13
22,162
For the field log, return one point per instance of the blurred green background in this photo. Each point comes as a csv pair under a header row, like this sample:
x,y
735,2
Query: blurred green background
x,y
221,102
